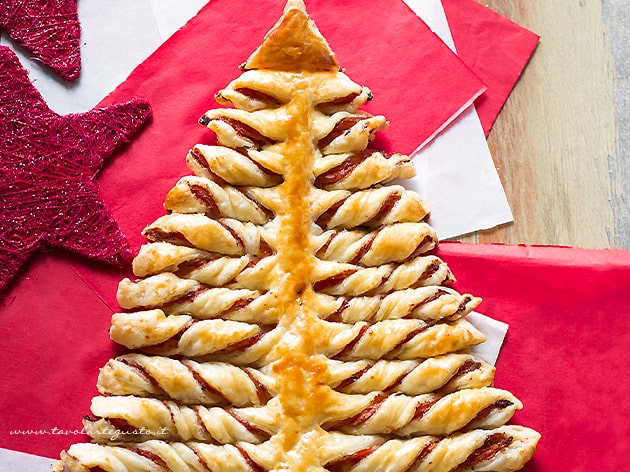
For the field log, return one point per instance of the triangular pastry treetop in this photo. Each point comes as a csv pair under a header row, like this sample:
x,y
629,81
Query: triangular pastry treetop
x,y
287,314
294,44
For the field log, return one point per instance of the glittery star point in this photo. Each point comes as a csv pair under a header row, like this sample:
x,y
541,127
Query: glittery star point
x,y
48,197
49,29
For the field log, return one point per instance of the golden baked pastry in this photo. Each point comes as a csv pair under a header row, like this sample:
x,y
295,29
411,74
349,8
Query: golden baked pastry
x,y
286,312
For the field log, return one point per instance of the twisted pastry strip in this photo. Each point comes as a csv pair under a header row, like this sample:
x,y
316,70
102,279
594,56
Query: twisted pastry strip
x,y
216,383
185,381
360,170
217,272
194,194
176,295
345,132
329,277
242,129
225,236
158,257
249,306
235,273
356,247
257,89
427,414
240,273
338,100
155,333
444,374
244,343
161,456
336,278
202,195
154,291
504,449
424,303
370,208
392,243
134,419
225,165
261,274
402,339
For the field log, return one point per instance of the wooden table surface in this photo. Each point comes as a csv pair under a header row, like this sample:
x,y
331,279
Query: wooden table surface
x,y
562,141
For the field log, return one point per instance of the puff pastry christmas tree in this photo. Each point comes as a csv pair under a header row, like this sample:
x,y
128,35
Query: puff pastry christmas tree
x,y
287,314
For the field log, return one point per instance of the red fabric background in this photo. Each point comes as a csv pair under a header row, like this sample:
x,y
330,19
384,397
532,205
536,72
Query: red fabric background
x,y
55,340
495,48
565,354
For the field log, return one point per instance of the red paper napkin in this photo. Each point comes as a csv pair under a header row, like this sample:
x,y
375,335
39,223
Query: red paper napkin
x,y
55,340
565,354
495,48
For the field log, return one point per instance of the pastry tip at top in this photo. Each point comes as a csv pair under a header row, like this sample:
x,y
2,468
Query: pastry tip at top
x,y
297,4
293,44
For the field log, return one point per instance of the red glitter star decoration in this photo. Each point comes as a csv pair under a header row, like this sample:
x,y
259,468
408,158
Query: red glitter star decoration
x,y
48,28
48,197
